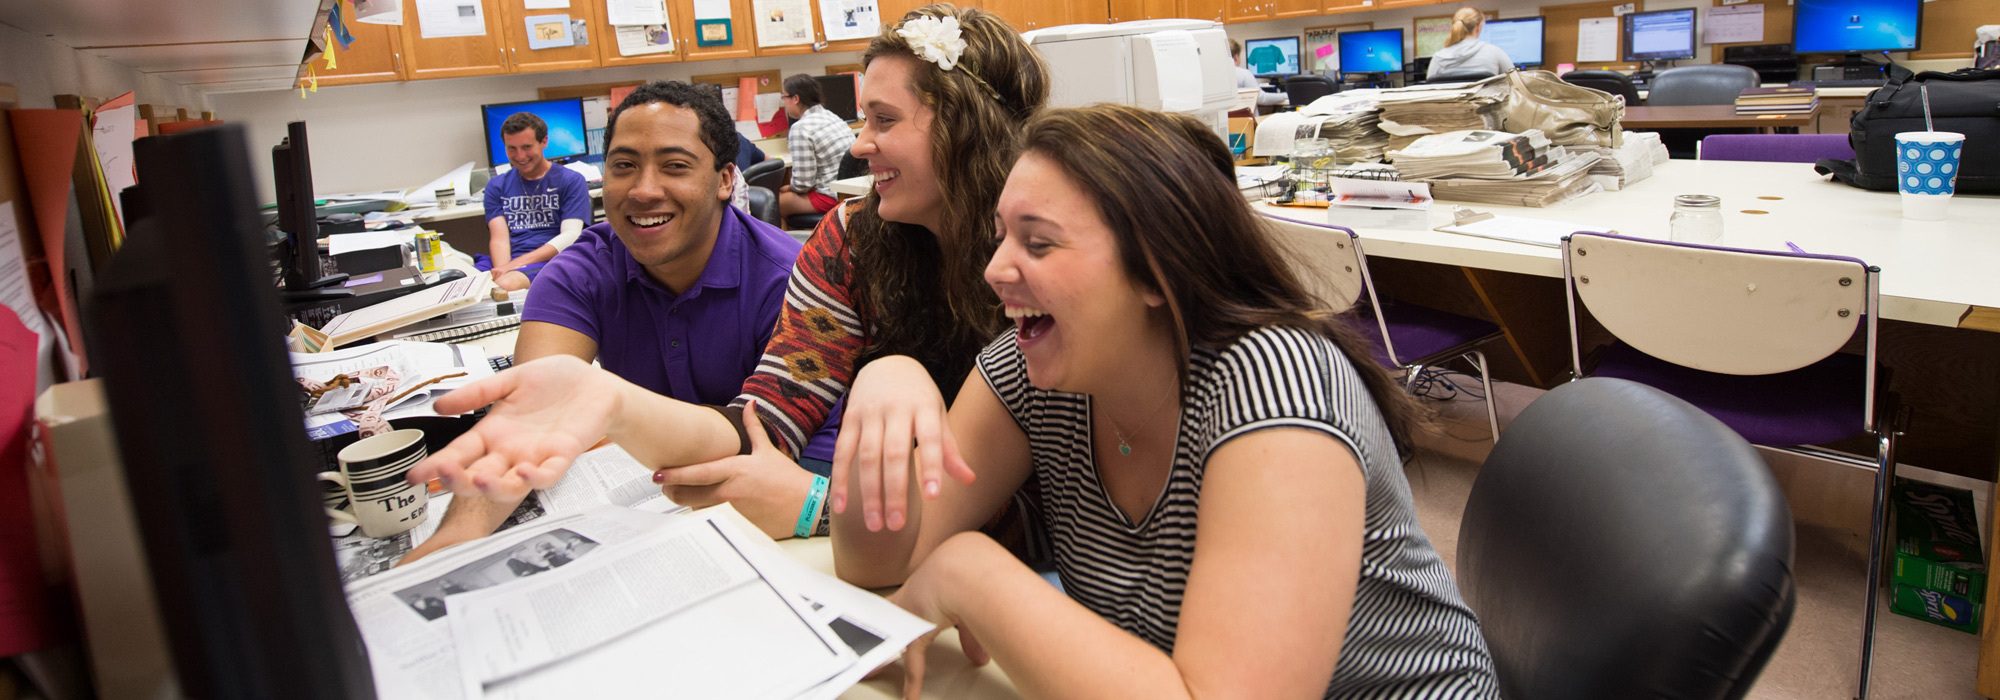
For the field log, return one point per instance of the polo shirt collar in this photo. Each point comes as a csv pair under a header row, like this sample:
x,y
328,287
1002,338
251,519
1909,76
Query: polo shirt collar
x,y
725,261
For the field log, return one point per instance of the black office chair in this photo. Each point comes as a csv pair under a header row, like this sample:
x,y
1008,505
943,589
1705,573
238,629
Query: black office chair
x,y
1463,76
1609,81
764,205
768,173
1303,89
1621,543
1714,84
850,166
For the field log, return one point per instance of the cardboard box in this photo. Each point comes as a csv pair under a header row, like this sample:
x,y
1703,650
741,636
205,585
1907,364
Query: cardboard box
x,y
1962,579
1936,523
1935,607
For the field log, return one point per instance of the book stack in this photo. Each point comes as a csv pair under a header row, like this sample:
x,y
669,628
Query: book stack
x,y
1778,100
1496,167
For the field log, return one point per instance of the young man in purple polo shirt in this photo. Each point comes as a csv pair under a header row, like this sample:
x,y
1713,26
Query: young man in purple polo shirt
x,y
533,211
677,291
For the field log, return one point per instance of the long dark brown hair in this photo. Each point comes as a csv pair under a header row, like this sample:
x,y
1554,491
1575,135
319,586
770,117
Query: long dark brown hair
x,y
922,293
1166,186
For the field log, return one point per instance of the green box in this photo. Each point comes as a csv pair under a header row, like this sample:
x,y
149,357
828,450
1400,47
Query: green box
x,y
1963,579
1936,608
1936,523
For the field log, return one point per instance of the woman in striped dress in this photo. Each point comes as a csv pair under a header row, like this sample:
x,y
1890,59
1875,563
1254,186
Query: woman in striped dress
x,y
1220,480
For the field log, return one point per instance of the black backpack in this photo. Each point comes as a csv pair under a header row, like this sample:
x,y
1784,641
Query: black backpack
x,y
1965,101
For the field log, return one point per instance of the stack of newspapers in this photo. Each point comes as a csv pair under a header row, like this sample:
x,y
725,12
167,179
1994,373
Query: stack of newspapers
x,y
1630,162
1348,122
1497,167
610,590
1413,112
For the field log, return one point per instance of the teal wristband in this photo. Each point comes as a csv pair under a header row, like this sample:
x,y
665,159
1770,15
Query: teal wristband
x,y
817,493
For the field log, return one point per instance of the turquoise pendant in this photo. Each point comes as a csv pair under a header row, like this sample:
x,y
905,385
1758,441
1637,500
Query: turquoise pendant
x,y
1124,449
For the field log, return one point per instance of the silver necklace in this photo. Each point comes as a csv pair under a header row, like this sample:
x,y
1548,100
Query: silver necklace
x,y
1124,444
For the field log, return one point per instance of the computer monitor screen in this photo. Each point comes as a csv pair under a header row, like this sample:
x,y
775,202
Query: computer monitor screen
x,y
567,137
1519,37
1854,26
1274,56
1378,51
836,94
1664,35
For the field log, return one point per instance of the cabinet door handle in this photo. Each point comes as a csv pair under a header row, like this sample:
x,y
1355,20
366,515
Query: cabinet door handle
x,y
396,60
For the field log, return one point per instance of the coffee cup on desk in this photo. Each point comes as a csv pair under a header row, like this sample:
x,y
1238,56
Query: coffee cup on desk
x,y
1927,172
372,475
447,196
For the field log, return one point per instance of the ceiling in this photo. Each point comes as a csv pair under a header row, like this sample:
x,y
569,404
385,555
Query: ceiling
x,y
210,45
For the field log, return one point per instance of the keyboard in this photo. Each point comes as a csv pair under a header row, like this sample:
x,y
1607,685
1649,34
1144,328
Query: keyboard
x,y
468,332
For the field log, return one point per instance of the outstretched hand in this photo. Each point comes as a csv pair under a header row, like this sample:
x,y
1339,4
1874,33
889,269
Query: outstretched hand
x,y
892,404
544,414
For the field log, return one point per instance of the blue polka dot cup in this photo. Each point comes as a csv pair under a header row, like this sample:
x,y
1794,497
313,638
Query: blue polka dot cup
x,y
1927,172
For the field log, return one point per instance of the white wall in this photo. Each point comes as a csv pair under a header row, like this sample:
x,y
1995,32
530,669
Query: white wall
x,y
42,68
400,135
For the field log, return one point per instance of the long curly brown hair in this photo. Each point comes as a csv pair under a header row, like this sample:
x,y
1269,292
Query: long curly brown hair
x,y
922,293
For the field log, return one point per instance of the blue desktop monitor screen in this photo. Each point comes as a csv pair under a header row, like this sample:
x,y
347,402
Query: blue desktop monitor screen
x,y
1854,26
1278,55
564,117
1664,35
1379,51
1519,37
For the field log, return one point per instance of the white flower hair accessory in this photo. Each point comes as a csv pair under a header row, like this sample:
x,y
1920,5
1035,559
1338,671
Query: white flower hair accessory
x,y
933,39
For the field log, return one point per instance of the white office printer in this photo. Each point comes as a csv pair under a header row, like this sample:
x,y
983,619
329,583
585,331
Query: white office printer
x,y
1172,65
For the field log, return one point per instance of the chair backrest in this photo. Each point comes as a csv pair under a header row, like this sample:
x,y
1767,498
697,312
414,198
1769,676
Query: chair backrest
x,y
1714,84
1620,543
768,173
1776,148
1612,82
764,205
851,166
1742,312
1463,76
1303,89
1326,257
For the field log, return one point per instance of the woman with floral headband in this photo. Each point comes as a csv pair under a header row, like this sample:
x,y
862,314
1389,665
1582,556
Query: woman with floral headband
x,y
894,273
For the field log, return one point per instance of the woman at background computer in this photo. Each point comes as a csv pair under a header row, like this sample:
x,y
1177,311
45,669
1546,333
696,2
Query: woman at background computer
x,y
1216,455
894,273
1465,52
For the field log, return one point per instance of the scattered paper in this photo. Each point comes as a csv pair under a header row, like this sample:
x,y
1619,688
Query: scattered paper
x,y
342,244
782,22
388,12
112,131
644,39
635,12
437,19
1519,229
1737,24
1597,39
850,19
459,179
549,32
15,291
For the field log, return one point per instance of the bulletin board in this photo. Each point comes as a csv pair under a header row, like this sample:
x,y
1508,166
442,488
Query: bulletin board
x,y
582,91
1947,27
767,80
839,68
1420,26
1777,23
1317,37
1559,31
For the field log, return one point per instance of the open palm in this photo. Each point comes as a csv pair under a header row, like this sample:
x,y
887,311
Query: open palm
x,y
544,413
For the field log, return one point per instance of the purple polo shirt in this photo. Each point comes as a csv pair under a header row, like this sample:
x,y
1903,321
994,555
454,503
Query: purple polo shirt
x,y
697,346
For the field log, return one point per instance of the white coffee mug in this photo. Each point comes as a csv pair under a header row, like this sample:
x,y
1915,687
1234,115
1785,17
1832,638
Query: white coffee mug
x,y
373,474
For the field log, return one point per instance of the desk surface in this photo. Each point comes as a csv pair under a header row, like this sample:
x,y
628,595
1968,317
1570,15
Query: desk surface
x,y
1708,116
1932,271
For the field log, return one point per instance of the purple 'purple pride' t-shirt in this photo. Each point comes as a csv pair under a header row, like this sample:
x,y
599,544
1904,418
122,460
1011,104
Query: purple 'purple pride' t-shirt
x,y
697,346
535,209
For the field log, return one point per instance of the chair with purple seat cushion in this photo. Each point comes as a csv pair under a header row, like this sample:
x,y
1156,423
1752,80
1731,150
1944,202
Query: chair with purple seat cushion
x,y
1776,148
1752,337
1403,336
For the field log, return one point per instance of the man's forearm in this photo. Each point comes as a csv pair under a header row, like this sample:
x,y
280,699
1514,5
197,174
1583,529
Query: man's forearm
x,y
467,518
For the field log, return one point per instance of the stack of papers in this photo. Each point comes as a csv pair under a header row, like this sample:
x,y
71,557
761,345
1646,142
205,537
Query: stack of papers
x,y
1778,100
613,600
1631,162
432,369
1414,112
1497,167
1348,123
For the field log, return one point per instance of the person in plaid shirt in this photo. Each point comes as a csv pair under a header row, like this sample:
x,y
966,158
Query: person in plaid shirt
x,y
818,139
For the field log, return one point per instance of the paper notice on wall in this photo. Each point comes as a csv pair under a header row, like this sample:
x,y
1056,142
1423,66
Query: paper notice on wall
x,y
643,39
850,19
546,4
1731,25
782,22
437,19
1431,34
711,9
1597,39
378,12
549,32
635,12
112,129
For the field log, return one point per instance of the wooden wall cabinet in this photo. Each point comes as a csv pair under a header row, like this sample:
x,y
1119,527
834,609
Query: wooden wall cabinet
x,y
1128,10
1247,10
1285,9
742,44
605,37
375,57
523,59
454,56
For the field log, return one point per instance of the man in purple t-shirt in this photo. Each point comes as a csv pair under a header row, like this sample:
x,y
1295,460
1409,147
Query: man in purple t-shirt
x,y
533,211
677,291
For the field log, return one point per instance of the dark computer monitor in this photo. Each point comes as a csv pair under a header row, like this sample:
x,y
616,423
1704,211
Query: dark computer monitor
x,y
836,94
1855,26
1661,35
567,138
1272,57
1519,37
298,216
1377,51
185,329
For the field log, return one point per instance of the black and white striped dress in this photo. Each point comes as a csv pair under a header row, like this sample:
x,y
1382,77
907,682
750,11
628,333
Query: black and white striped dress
x,y
1410,634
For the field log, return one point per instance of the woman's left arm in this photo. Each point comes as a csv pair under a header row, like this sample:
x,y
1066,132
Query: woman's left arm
x,y
1277,560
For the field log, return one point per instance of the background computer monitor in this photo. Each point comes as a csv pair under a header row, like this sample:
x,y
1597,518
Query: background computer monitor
x,y
291,173
1378,51
1662,35
1855,26
1273,56
567,138
836,94
1519,37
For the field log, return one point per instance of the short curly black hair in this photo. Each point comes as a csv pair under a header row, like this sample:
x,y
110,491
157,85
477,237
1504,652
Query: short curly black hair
x,y
718,131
